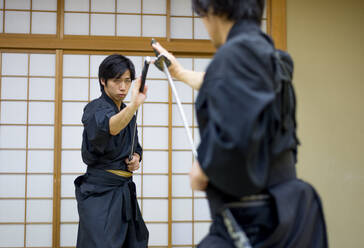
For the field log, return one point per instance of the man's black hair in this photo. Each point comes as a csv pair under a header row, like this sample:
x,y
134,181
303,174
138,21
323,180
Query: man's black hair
x,y
233,10
114,66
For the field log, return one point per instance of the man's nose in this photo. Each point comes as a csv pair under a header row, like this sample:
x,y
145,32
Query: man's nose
x,y
122,86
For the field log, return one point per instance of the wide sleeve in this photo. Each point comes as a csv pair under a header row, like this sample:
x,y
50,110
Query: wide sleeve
x,y
234,148
96,126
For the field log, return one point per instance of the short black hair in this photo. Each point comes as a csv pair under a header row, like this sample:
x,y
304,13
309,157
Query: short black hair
x,y
114,66
233,10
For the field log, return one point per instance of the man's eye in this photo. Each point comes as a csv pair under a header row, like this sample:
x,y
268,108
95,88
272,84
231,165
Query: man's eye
x,y
128,80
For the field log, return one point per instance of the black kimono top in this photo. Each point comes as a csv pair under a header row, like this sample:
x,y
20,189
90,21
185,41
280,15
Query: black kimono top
x,y
235,111
100,149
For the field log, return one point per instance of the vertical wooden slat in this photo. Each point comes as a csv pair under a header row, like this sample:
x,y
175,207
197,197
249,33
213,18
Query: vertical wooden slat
x,y
168,21
30,16
26,156
278,23
141,17
169,166
3,15
57,151
89,17
60,19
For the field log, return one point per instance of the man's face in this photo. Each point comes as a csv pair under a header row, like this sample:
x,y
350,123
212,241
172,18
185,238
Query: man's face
x,y
118,88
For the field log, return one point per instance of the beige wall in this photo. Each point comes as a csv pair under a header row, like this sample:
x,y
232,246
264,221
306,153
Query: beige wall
x,y
326,40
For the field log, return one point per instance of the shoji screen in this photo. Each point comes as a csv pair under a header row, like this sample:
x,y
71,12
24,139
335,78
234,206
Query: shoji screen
x,y
26,149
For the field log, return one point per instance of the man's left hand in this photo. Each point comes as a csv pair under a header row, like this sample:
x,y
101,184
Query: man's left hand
x,y
198,178
133,165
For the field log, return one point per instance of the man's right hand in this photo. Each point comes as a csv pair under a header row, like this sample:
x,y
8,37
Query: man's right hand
x,y
138,98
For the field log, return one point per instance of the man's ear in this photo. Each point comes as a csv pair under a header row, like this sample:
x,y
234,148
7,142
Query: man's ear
x,y
103,81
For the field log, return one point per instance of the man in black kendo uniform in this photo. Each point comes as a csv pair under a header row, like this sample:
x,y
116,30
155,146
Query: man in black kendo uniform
x,y
107,204
246,115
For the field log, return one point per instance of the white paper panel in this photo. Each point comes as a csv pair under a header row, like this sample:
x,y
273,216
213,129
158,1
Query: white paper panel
x,y
155,114
41,113
44,23
182,233
72,112
39,235
102,24
68,234
155,162
181,28
184,92
103,5
72,137
176,116
181,161
42,64
138,62
155,210
7,233
201,64
1,21
264,26
75,65
155,137
127,6
76,23
40,161
44,4
200,30
181,8
154,26
128,25
17,4
12,211
95,91
201,230
40,137
95,62
154,7
158,234
17,22
12,136
182,209
67,185
40,186
201,209
39,210
14,64
199,193
157,90
155,186
196,137
79,5
139,120
1,4
75,89
12,161
137,179
181,185
69,210
12,186
14,88
179,138
41,88
13,112
154,72
72,162
186,62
